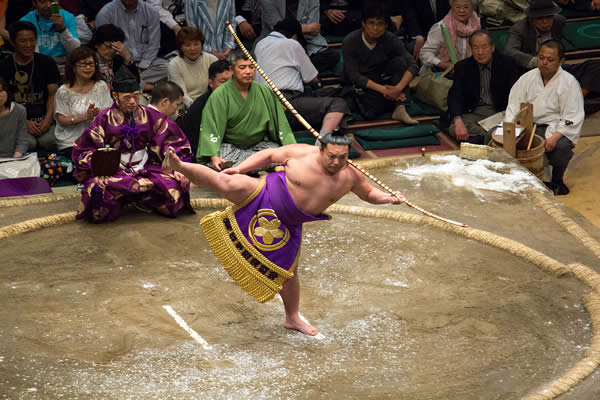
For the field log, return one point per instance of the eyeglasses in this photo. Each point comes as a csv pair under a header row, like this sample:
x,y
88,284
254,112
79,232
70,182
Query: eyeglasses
x,y
86,65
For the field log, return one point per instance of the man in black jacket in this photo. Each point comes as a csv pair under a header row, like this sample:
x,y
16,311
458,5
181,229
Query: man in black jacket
x,y
377,68
525,37
480,89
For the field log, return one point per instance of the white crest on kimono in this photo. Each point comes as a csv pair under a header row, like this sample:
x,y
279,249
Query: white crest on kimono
x,y
213,138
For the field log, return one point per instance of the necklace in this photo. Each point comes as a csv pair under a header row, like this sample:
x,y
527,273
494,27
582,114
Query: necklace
x,y
189,65
37,17
23,81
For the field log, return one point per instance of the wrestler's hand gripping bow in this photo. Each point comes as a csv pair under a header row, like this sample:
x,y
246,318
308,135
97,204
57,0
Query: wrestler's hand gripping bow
x,y
299,117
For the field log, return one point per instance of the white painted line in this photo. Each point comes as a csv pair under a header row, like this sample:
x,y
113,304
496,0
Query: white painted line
x,y
318,336
186,327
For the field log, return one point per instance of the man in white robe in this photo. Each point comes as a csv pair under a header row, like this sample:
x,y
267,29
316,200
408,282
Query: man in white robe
x,y
557,108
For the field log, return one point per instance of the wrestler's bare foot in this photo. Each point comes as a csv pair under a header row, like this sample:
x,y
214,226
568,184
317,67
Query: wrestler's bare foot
x,y
171,161
298,324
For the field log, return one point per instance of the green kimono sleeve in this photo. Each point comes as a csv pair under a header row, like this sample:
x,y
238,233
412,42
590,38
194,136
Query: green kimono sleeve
x,y
283,131
214,122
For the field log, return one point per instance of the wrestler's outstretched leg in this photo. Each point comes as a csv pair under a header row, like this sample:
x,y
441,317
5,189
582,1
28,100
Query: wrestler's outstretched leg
x,y
235,188
290,294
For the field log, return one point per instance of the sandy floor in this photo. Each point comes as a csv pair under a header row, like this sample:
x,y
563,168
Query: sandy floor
x,y
405,311
582,177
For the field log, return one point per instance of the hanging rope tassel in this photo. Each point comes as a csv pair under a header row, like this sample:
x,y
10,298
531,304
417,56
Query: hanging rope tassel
x,y
299,117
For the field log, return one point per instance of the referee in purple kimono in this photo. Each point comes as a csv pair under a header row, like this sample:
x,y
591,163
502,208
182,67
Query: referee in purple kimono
x,y
141,135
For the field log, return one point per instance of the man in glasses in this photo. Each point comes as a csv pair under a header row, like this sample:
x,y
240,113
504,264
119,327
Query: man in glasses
x,y
141,135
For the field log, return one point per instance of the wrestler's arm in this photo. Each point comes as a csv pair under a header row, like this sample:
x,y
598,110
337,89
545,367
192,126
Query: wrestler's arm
x,y
278,155
371,194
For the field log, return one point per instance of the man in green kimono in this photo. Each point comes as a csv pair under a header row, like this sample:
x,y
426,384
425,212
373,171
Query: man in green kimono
x,y
241,118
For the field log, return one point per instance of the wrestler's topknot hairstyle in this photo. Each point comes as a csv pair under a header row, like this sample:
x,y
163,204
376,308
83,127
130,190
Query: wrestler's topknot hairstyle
x,y
336,138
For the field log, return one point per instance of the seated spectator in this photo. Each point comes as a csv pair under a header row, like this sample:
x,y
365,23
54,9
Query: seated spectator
x,y
544,23
56,33
166,98
219,72
33,79
190,68
161,6
77,102
308,13
141,135
480,88
211,18
248,18
340,17
168,27
461,21
241,117
107,41
419,17
141,24
286,63
378,67
13,124
91,8
557,108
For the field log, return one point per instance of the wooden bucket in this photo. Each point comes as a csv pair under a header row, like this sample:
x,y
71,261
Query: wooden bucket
x,y
532,159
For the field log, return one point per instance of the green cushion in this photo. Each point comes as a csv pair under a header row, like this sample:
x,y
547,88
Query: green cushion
x,y
500,36
396,133
584,35
570,13
415,108
304,137
334,39
353,153
419,108
376,139
339,68
390,144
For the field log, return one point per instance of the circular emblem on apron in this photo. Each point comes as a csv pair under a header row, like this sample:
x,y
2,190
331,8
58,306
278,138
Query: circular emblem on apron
x,y
266,232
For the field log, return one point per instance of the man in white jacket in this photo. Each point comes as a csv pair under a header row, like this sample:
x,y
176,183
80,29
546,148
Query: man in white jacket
x,y
557,108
